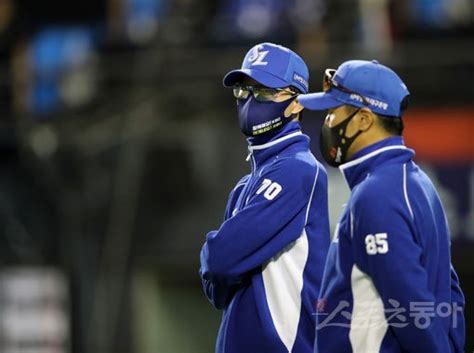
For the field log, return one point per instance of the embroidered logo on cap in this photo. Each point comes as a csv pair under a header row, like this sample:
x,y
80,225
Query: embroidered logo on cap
x,y
257,56
300,79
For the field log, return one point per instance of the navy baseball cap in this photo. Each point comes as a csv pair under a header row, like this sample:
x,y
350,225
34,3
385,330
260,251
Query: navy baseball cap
x,y
382,90
273,66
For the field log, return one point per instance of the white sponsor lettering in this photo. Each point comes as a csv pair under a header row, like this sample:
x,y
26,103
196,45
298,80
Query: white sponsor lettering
x,y
373,102
300,79
266,124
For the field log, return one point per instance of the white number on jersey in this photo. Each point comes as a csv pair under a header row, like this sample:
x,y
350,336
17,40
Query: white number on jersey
x,y
271,189
376,244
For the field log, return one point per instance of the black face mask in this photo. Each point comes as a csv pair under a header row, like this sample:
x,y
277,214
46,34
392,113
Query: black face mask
x,y
334,144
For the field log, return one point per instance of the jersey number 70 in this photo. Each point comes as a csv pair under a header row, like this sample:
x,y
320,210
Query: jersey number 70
x,y
272,189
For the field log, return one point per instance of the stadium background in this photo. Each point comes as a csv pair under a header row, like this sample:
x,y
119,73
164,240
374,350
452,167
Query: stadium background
x,y
118,146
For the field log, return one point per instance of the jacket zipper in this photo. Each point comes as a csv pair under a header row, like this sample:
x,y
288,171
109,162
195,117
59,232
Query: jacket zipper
x,y
251,157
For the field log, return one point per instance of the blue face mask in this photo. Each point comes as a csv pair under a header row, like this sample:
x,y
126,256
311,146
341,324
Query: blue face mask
x,y
257,118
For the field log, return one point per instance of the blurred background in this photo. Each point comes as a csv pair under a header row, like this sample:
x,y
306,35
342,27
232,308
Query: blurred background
x,y
119,145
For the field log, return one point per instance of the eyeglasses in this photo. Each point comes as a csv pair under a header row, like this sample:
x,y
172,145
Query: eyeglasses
x,y
329,82
263,94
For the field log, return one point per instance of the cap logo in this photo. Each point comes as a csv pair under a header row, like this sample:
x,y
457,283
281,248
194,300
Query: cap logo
x,y
300,79
257,56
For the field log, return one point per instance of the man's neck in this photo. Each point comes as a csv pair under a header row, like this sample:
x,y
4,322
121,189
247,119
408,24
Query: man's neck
x,y
365,140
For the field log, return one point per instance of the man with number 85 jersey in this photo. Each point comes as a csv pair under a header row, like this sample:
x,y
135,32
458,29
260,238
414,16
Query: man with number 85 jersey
x,y
388,284
264,265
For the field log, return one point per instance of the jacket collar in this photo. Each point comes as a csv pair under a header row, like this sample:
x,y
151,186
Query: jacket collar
x,y
289,135
388,151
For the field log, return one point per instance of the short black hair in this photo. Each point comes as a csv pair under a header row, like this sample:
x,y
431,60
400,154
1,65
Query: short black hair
x,y
299,116
394,124
295,89
391,124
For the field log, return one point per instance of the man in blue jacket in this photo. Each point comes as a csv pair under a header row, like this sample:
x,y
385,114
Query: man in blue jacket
x,y
264,264
388,285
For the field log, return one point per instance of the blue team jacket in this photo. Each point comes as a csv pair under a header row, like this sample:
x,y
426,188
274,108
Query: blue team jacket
x,y
264,264
388,285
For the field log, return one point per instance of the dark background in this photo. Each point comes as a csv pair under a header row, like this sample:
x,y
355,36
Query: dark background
x,y
118,146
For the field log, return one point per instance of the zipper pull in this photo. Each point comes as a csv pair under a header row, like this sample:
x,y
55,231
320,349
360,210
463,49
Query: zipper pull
x,y
249,155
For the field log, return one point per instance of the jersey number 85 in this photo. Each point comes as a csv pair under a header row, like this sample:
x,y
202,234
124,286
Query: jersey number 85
x,y
376,244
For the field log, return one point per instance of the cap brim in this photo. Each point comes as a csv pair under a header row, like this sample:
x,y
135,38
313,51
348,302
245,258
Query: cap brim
x,y
319,101
262,77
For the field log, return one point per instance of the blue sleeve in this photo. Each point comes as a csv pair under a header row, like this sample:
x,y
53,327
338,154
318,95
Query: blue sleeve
x,y
457,332
386,249
273,217
219,291
234,196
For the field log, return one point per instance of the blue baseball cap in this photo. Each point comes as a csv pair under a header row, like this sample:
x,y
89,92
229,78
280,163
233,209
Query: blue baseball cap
x,y
273,66
380,86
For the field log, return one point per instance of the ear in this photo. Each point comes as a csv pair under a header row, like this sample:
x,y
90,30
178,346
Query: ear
x,y
293,108
366,119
